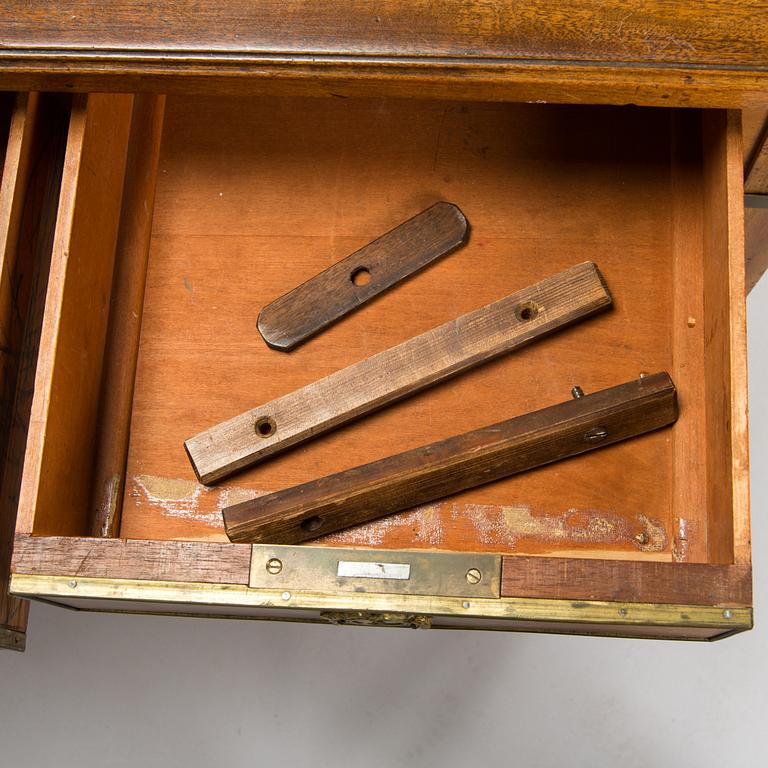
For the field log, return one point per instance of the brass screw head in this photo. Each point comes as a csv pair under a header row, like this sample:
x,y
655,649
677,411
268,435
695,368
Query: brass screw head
x,y
274,565
474,576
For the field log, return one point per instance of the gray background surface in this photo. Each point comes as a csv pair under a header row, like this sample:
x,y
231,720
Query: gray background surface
x,y
95,690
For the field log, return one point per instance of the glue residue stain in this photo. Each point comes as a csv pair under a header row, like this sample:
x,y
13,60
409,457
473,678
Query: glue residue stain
x,y
230,496
432,525
188,500
175,497
680,540
504,527
656,535
423,524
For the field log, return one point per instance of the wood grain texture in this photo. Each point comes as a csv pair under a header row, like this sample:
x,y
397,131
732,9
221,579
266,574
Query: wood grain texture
x,y
474,458
756,183
626,581
127,303
756,177
209,563
541,185
17,127
755,245
655,52
54,499
733,159
335,292
725,368
686,317
423,361
754,124
28,199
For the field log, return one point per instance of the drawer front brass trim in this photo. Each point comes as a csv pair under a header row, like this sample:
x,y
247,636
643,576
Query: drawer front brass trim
x,y
283,604
401,572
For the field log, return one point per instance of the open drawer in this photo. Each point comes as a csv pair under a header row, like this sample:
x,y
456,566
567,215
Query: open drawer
x,y
179,220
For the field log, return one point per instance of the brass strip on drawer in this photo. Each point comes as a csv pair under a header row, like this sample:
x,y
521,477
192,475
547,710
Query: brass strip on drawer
x,y
330,569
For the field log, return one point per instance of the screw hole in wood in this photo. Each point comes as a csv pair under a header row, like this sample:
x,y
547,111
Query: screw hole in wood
x,y
311,524
360,276
526,311
265,426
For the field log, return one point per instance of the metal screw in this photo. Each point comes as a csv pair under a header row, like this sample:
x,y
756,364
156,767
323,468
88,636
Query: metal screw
x,y
72,584
596,435
465,604
623,611
274,565
577,392
691,322
474,576
727,613
643,374
286,595
642,538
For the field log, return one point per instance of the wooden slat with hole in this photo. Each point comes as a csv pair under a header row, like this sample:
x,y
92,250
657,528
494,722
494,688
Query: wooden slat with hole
x,y
685,53
459,463
350,283
626,581
459,345
191,561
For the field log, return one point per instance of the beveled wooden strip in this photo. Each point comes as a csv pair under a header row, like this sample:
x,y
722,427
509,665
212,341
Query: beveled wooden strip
x,y
53,497
126,308
756,181
756,219
193,561
28,204
755,245
340,289
420,362
626,581
432,471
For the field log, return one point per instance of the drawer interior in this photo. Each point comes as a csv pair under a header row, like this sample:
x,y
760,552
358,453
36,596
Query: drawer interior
x,y
250,197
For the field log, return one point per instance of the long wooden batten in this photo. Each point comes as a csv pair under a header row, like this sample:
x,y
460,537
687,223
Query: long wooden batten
x,y
415,477
458,345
